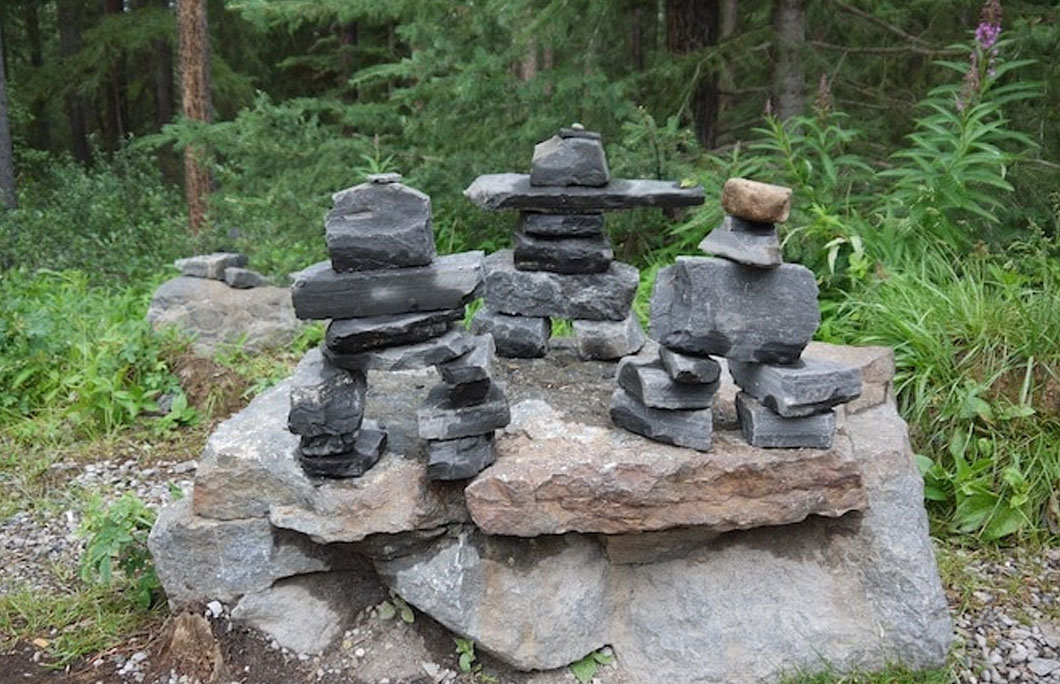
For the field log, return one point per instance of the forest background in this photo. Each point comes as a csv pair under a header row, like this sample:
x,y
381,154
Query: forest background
x,y
921,139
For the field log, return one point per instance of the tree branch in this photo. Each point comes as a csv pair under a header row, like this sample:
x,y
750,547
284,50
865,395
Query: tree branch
x,y
930,52
887,26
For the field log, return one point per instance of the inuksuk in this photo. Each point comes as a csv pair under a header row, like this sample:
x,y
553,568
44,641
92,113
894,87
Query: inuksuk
x,y
562,265
393,305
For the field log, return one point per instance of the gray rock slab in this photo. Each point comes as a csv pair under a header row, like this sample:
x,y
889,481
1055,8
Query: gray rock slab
x,y
569,160
210,266
460,459
608,340
444,416
690,428
217,316
762,427
704,305
875,365
425,354
810,385
603,296
448,283
352,335
753,248
561,225
562,255
243,278
474,366
379,225
366,449
500,191
690,369
325,399
520,337
648,381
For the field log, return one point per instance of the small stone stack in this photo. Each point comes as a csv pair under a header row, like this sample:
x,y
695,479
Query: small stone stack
x,y
562,264
228,267
394,305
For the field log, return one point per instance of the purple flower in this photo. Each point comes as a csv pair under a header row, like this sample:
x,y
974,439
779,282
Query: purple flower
x,y
986,35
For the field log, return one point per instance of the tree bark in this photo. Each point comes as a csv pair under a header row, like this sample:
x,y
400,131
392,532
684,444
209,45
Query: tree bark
x,y
165,98
642,32
789,81
727,79
41,125
117,109
692,25
195,100
347,35
7,163
70,17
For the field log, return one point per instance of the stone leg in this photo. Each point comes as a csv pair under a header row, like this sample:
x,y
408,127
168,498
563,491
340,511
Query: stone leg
x,y
520,337
608,340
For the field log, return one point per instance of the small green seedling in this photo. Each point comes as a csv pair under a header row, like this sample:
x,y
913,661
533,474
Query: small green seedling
x,y
585,669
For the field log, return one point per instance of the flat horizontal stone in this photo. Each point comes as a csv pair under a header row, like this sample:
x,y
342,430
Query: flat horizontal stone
x,y
444,416
500,191
352,335
703,305
379,225
327,445
596,296
459,459
874,364
474,366
648,381
425,354
243,278
690,369
562,255
569,160
365,451
755,201
753,248
448,283
325,399
561,225
554,476
608,340
691,428
520,337
808,386
210,266
762,427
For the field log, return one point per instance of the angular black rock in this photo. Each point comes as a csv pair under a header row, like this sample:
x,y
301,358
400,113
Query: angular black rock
x,y
448,283
561,225
474,366
761,427
562,255
500,191
570,160
379,225
444,417
325,399
327,445
608,340
603,296
703,306
690,369
424,354
368,447
352,335
243,278
648,381
469,393
692,429
577,131
459,459
210,266
759,248
514,337
803,388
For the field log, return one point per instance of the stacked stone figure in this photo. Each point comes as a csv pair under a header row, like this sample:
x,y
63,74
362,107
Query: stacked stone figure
x,y
393,305
562,264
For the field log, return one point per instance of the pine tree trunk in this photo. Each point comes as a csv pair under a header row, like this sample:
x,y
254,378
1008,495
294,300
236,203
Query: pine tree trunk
x,y
7,163
41,125
347,35
692,25
117,109
69,16
789,81
195,99
727,79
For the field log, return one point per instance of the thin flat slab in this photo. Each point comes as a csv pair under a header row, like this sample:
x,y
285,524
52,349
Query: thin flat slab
x,y
808,386
352,335
753,248
447,347
501,191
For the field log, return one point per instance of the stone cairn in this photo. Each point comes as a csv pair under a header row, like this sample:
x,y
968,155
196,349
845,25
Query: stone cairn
x,y
228,267
394,305
759,313
562,264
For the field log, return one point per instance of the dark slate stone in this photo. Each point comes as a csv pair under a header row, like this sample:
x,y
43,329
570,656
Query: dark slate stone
x,y
577,131
243,278
210,266
499,191
352,335
425,354
474,366
572,160
327,445
562,255
459,459
469,393
448,283
379,225
803,388
516,337
703,306
761,427
739,225
690,369
368,447
561,225
750,247
648,381
592,296
325,399
444,417
692,429
608,340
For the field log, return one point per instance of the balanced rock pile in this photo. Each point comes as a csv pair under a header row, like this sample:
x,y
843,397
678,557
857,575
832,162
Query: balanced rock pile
x,y
394,305
228,267
562,264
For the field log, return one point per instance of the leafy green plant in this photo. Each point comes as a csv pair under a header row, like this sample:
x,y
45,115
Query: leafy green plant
x,y
396,606
180,413
116,540
585,669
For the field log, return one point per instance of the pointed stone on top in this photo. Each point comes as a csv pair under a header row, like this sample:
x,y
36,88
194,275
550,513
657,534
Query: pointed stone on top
x,y
379,224
573,156
754,201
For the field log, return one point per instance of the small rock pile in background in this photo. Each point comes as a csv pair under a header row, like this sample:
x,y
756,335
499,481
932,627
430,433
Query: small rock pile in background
x,y
228,267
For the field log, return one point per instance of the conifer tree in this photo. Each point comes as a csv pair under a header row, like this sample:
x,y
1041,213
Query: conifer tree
x,y
195,98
